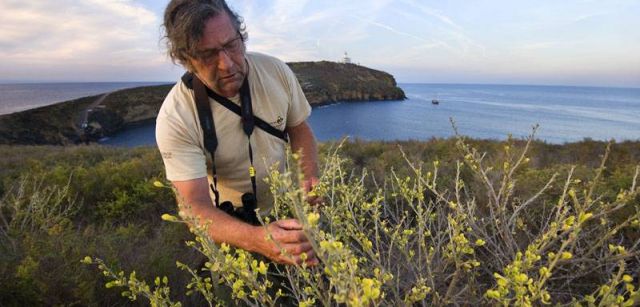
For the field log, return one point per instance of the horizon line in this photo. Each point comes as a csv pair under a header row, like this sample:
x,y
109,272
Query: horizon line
x,y
27,82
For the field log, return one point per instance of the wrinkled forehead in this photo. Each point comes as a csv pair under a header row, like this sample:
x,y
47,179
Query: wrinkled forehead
x,y
218,30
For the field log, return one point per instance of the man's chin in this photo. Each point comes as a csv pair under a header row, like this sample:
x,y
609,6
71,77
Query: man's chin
x,y
230,88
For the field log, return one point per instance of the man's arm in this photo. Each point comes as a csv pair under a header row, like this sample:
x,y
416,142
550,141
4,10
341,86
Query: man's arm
x,y
303,140
223,228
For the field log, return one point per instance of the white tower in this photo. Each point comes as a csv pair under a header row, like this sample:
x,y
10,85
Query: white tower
x,y
346,59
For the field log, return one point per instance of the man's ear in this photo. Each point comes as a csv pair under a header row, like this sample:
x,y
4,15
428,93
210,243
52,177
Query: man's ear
x,y
188,65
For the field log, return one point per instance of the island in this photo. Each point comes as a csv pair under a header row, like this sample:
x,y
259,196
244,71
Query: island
x,y
88,119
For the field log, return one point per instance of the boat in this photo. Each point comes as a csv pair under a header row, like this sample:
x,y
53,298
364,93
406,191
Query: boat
x,y
435,101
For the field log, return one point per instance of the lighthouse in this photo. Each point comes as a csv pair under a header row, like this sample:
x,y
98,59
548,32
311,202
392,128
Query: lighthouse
x,y
346,59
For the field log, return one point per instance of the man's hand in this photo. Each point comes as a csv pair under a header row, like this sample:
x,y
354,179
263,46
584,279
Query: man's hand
x,y
287,242
284,242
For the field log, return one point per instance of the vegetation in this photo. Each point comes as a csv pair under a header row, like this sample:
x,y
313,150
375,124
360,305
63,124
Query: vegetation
x,y
437,222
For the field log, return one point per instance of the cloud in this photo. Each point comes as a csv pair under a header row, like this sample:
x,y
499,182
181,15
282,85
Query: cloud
x,y
119,39
586,17
435,13
308,30
452,36
71,36
538,46
391,29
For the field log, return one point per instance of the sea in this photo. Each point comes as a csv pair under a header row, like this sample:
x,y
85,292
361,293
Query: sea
x,y
561,113
25,96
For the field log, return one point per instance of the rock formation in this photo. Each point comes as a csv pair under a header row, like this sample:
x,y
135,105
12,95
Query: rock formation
x,y
328,82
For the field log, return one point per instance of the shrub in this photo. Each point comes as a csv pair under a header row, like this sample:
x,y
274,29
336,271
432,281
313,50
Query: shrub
x,y
55,208
483,235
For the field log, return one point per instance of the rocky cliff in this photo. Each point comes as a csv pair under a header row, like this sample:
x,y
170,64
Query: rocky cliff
x,y
328,82
90,118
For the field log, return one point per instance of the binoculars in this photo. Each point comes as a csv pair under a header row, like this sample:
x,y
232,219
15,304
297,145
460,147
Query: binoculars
x,y
246,213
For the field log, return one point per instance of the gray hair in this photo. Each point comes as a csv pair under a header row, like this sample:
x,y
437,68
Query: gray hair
x,y
184,22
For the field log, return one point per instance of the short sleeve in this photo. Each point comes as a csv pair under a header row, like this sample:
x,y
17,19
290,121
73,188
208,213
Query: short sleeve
x,y
299,109
183,158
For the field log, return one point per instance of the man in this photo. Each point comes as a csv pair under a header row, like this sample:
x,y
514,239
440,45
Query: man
x,y
208,39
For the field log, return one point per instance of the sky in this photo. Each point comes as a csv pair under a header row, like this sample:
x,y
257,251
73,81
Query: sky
x,y
551,42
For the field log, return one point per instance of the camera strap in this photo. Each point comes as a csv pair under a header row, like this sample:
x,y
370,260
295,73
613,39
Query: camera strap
x,y
188,78
245,111
208,130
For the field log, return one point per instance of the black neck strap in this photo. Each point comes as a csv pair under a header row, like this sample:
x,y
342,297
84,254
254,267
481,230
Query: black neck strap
x,y
188,78
202,94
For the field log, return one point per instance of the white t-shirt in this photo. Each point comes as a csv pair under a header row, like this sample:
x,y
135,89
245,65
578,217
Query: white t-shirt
x,y
276,98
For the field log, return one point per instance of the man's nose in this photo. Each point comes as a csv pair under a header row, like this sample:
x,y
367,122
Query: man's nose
x,y
224,61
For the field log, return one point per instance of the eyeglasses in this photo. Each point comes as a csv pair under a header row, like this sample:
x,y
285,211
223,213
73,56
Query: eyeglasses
x,y
232,47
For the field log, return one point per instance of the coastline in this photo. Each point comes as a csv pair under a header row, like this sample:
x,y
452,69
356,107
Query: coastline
x,y
20,97
565,115
63,124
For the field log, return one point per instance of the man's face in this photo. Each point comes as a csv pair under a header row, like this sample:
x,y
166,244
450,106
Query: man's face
x,y
220,61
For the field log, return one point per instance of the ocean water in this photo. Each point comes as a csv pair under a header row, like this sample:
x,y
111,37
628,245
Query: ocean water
x,y
564,114
20,97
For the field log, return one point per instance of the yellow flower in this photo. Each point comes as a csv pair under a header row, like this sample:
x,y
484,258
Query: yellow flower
x,y
453,205
370,288
544,272
493,294
569,222
367,244
566,255
480,242
627,278
407,232
630,287
521,278
584,216
617,248
237,285
502,282
169,218
158,184
307,303
313,218
224,247
262,268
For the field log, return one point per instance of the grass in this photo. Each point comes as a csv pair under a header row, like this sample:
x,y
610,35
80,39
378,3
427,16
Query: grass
x,y
389,204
